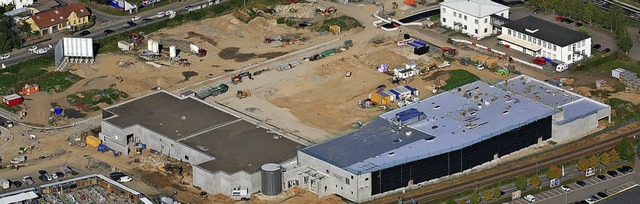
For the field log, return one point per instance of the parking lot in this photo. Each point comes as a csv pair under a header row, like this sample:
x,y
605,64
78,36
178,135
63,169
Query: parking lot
x,y
593,185
17,182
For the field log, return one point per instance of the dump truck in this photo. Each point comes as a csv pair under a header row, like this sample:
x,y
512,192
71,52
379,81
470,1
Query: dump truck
x,y
213,91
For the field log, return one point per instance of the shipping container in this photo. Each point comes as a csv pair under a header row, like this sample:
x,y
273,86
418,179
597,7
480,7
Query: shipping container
x,y
29,89
93,141
12,100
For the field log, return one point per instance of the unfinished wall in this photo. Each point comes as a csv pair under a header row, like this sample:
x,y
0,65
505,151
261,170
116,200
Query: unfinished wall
x,y
223,183
575,128
336,179
114,137
170,147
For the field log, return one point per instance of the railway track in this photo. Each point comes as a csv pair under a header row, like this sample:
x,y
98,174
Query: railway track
x,y
481,180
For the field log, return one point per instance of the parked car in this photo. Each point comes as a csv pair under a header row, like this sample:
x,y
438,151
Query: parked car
x,y
33,48
590,200
84,33
530,198
131,24
606,50
116,175
602,177
124,179
581,202
565,188
5,56
43,177
135,18
581,183
161,14
578,24
625,169
602,194
537,11
539,61
567,20
595,198
16,183
596,46
28,180
146,20
59,174
54,176
559,18
612,173
42,172
41,51
107,32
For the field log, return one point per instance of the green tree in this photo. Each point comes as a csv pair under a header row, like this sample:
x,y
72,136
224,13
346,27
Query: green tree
x,y
623,39
593,161
521,183
625,149
535,181
583,164
26,28
590,12
614,155
475,198
497,193
554,172
488,195
450,201
605,158
616,17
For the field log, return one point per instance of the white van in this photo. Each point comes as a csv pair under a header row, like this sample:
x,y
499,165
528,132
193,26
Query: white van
x,y
530,198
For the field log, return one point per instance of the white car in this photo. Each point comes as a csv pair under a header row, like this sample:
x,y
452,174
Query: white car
x,y
480,66
565,188
5,56
33,49
41,51
54,176
169,12
161,14
530,198
590,200
136,18
124,179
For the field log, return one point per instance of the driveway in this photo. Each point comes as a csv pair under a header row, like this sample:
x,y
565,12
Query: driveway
x,y
634,53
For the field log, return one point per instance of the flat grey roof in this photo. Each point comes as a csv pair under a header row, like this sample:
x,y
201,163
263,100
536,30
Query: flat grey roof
x,y
457,118
241,146
163,113
546,31
574,105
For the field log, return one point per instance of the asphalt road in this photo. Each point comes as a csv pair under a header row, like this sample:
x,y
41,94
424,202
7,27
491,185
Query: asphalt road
x,y
115,23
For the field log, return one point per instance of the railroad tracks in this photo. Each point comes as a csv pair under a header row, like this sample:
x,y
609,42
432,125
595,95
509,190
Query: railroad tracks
x,y
481,180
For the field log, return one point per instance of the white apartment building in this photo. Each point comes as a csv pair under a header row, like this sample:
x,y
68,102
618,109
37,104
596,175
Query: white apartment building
x,y
542,38
17,3
472,17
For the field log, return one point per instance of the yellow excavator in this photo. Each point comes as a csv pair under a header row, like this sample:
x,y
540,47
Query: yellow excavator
x,y
329,11
24,150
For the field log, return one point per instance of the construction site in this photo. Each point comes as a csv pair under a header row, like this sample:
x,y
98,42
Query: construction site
x,y
284,80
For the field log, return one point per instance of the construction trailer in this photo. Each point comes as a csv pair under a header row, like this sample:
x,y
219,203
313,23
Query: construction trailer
x,y
28,89
125,46
93,141
408,70
383,98
12,100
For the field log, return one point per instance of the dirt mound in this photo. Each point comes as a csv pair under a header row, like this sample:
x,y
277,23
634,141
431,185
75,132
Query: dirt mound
x,y
191,34
385,56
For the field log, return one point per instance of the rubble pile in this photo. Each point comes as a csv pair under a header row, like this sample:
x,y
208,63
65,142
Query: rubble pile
x,y
306,10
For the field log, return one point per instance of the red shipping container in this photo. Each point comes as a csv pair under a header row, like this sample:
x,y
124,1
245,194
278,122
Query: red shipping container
x,y
12,100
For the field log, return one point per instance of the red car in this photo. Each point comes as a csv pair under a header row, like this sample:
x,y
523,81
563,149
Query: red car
x,y
559,18
539,61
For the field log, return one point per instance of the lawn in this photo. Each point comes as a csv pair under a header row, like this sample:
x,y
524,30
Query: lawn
x,y
89,99
605,63
345,23
458,78
623,110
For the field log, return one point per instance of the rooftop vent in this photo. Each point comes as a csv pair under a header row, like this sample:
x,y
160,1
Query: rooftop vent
x,y
397,141
408,133
437,107
37,17
392,153
505,112
81,10
430,139
56,11
531,31
61,18
52,20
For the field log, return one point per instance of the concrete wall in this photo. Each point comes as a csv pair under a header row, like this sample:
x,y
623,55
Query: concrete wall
x,y
115,138
448,19
357,189
223,183
575,128
170,147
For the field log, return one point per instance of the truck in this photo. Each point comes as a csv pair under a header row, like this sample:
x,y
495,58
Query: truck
x,y
5,122
27,180
18,160
213,91
5,184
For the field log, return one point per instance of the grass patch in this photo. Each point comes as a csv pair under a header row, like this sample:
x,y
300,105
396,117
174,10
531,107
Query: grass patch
x,y
23,71
583,31
291,22
623,110
54,82
458,78
89,99
435,17
345,22
606,63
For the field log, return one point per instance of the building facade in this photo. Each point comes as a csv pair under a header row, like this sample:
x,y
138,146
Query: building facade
x,y
471,17
16,3
540,38
70,17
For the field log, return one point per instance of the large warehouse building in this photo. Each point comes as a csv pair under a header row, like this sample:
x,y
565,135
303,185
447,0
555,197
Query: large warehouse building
x,y
444,135
226,151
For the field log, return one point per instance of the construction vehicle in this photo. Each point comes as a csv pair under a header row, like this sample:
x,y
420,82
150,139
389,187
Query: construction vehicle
x,y
170,168
410,2
445,64
335,29
201,52
214,91
24,150
502,72
103,148
184,62
449,51
243,94
140,146
329,11
136,38
238,78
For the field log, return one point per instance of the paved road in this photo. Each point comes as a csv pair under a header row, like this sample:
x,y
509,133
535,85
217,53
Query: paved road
x,y
105,21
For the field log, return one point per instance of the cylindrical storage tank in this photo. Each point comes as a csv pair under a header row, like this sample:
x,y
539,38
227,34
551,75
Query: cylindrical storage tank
x,y
271,179
172,51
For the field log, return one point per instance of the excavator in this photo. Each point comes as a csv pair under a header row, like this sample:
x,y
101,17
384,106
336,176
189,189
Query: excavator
x,y
24,150
329,11
449,51
238,78
170,168
243,94
136,38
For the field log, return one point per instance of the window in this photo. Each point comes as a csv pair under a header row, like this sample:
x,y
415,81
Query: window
x,y
476,21
583,42
509,32
366,179
171,145
465,17
539,42
502,14
346,180
351,177
465,27
459,15
476,31
454,14
554,56
535,40
444,20
485,30
186,157
486,20
549,46
544,44
444,10
520,36
569,57
529,38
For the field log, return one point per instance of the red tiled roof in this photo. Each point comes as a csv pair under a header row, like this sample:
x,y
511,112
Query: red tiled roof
x,y
59,15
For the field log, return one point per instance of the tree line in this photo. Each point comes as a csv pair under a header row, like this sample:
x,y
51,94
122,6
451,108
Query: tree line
x,y
9,39
588,12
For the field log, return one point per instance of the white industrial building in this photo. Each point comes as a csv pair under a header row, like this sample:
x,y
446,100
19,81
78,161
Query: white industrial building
x,y
444,135
226,152
541,38
17,3
73,50
472,17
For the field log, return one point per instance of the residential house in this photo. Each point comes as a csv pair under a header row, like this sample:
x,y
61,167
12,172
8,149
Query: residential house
x,y
67,17
472,17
